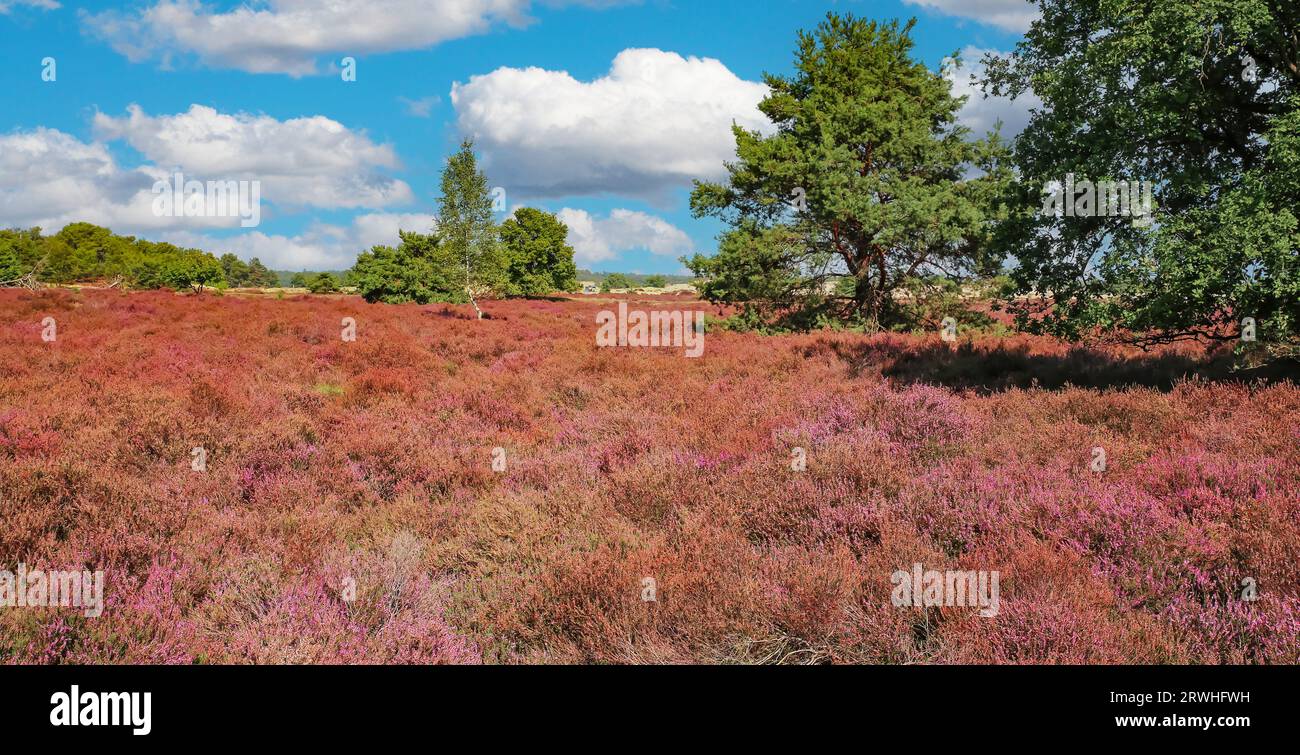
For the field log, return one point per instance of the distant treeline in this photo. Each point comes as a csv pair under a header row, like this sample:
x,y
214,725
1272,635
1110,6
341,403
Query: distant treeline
x,y
303,278
87,253
83,252
636,280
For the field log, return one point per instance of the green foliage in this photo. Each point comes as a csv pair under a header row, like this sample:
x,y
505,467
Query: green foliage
x,y
25,248
236,271
323,283
419,270
1200,99
539,260
466,228
588,275
61,264
300,278
756,267
615,280
192,269
463,261
259,276
252,274
83,252
928,300
656,281
866,177
11,266
93,252
147,270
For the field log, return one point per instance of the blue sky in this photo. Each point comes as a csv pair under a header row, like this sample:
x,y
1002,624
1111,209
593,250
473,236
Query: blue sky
x,y
601,111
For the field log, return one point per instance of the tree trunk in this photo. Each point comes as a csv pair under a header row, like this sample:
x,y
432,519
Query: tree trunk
x,y
866,299
469,290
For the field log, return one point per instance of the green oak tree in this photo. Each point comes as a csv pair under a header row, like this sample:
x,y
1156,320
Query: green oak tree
x,y
1201,100
192,269
538,258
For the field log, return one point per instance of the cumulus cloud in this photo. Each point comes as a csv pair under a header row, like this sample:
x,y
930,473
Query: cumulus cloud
x,y
321,246
981,114
1012,15
50,179
600,239
313,161
292,36
654,122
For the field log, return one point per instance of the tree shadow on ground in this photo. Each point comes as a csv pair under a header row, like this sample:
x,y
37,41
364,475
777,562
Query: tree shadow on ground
x,y
992,369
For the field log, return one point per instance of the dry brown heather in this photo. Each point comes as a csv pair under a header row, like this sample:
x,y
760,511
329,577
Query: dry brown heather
x,y
369,463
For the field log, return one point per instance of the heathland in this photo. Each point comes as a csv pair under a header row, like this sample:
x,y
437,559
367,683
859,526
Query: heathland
x,y
447,489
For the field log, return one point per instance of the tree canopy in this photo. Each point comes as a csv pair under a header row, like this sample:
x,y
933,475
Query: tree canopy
x,y
539,260
867,177
1200,100
419,270
468,257
192,269
465,225
615,280
323,283
84,252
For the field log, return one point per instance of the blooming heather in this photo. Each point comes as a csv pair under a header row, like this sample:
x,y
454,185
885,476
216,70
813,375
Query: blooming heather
x,y
347,509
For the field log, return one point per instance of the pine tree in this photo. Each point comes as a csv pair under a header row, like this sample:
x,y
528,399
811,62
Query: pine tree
x,y
866,179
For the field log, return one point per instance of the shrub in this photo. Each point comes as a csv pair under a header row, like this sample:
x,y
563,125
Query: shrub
x,y
323,283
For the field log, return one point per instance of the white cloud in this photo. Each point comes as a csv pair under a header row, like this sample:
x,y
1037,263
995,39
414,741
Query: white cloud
x,y
50,179
655,121
321,247
421,107
311,161
382,227
8,5
599,239
1012,15
980,114
292,36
